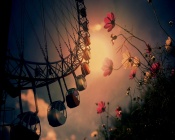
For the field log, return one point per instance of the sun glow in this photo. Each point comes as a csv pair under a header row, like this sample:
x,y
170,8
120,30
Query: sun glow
x,y
99,50
96,27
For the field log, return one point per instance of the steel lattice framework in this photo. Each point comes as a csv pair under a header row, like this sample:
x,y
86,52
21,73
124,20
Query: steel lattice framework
x,y
22,74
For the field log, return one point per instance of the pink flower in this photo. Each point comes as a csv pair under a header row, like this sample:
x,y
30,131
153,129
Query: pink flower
x,y
132,74
107,67
109,21
118,112
155,67
101,107
149,49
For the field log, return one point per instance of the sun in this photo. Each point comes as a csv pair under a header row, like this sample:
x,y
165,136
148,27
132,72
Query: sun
x,y
100,49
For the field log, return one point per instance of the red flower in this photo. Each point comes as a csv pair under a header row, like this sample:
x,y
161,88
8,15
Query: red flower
x,y
155,67
109,21
118,112
101,107
107,67
132,74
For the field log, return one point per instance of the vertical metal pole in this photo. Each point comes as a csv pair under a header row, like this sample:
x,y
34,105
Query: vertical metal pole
x,y
5,14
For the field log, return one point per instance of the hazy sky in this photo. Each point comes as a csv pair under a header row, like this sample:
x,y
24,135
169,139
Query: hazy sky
x,y
135,15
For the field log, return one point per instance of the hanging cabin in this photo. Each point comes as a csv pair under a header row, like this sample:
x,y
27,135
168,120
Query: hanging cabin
x,y
26,127
56,113
86,40
80,82
86,54
85,68
72,98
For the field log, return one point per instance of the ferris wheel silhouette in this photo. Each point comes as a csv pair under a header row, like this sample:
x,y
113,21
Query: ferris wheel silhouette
x,y
44,42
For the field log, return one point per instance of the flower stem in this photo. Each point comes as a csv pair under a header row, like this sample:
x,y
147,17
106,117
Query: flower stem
x,y
158,21
132,34
111,115
136,48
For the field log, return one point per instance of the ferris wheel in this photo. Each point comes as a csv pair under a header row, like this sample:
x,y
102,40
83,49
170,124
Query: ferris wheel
x,y
44,42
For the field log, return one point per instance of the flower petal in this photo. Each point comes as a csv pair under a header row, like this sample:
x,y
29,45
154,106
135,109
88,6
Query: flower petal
x,y
101,107
111,16
108,25
107,73
107,20
110,28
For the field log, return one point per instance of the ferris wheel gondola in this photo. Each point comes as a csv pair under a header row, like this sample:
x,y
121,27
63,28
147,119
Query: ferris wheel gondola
x,y
72,98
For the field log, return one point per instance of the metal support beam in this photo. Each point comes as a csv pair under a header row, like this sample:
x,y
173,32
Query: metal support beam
x,y
5,14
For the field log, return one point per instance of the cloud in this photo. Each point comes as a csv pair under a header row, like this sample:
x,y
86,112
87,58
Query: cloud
x,y
51,135
72,137
42,105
